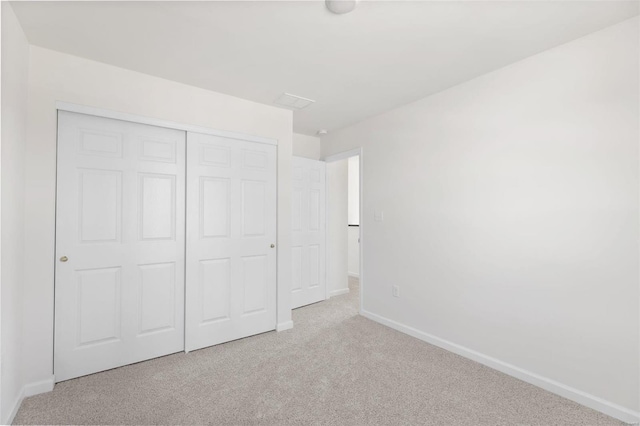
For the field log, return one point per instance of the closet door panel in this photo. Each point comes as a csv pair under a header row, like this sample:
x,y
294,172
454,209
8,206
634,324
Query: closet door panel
x,y
231,227
120,244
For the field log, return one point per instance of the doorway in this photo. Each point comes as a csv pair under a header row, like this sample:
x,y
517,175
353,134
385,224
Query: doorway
x,y
344,224
353,216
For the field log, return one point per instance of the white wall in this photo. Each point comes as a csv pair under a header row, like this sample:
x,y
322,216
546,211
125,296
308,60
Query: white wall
x,y
337,243
15,62
511,217
55,77
354,216
353,262
306,146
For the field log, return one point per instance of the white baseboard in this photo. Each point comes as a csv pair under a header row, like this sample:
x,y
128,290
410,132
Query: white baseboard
x,y
36,388
588,400
284,326
338,292
353,274
14,410
27,390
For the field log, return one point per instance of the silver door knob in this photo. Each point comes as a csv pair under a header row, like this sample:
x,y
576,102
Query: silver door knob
x,y
64,259
273,245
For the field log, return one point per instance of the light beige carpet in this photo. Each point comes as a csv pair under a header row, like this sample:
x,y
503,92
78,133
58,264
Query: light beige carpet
x,y
335,367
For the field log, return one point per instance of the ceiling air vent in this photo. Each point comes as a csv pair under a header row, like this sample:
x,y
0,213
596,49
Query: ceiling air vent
x,y
292,101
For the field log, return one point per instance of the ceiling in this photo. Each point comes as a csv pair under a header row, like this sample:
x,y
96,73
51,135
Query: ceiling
x,y
380,56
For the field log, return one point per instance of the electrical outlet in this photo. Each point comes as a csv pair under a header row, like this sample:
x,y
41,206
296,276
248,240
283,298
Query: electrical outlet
x,y
395,290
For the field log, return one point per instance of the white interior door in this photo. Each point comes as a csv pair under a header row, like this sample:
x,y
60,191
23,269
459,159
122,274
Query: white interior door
x,y
119,284
309,228
231,236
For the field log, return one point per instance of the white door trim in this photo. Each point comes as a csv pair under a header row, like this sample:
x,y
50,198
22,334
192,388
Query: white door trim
x,y
342,156
107,113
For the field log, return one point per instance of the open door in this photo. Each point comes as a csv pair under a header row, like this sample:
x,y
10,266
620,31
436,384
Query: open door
x,y
309,232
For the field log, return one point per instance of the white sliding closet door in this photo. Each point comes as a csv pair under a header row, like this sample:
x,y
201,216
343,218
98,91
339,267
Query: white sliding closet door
x,y
231,236
309,227
119,277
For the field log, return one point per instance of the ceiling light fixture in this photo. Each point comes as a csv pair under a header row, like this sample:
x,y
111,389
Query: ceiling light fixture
x,y
321,132
340,6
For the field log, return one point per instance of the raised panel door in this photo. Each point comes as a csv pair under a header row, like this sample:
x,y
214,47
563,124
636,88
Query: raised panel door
x,y
119,279
231,227
308,232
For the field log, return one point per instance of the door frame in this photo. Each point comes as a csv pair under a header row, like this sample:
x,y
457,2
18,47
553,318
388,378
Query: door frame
x,y
157,122
343,156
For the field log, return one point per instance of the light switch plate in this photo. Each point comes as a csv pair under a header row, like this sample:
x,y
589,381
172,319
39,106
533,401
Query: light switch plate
x,y
378,215
395,291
